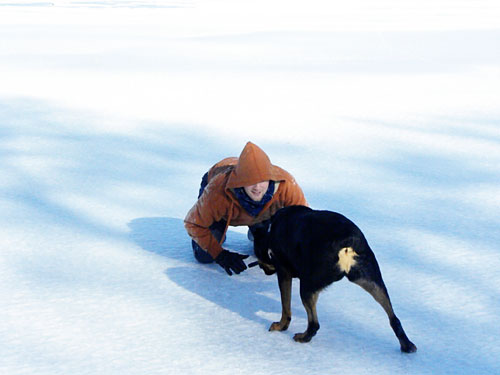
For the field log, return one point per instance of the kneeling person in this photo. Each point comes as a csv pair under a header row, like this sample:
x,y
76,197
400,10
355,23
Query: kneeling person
x,y
238,191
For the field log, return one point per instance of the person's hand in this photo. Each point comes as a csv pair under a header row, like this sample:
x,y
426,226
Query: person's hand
x,y
231,262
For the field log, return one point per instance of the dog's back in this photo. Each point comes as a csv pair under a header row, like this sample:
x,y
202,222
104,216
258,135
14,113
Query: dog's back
x,y
322,246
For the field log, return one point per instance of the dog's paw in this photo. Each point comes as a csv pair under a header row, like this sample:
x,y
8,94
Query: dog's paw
x,y
302,337
408,347
277,326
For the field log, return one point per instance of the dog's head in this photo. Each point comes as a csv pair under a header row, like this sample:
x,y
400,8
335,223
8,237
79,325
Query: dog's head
x,y
262,251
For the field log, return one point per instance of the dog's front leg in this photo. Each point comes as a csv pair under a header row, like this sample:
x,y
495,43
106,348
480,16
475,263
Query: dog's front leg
x,y
309,300
285,284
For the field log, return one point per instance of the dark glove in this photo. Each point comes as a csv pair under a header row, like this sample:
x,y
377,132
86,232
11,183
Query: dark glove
x,y
231,262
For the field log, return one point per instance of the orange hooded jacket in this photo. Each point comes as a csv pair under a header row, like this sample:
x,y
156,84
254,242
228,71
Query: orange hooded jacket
x,y
218,200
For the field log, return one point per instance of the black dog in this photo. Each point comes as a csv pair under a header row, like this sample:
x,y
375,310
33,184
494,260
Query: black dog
x,y
320,247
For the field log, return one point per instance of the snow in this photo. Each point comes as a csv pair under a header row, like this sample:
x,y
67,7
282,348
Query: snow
x,y
110,113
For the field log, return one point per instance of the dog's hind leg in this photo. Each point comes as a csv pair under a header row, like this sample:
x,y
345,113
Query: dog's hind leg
x,y
309,300
285,284
379,292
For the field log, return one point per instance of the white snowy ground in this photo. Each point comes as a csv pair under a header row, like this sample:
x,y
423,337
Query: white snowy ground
x,y
110,112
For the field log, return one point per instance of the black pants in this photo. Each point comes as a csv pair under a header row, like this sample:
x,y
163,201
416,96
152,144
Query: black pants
x,y
217,229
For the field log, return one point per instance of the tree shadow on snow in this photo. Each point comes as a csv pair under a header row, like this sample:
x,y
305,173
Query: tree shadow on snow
x,y
246,294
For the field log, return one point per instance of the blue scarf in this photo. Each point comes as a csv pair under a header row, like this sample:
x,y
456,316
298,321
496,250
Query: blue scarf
x,y
252,207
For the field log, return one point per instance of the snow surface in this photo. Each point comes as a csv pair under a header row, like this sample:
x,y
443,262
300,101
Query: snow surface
x,y
110,112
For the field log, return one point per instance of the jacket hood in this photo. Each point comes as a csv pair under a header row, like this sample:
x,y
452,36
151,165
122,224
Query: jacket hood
x,y
253,166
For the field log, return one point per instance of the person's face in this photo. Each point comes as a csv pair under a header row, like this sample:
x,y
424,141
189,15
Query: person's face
x,y
256,192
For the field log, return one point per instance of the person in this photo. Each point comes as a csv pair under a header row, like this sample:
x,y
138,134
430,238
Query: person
x,y
238,191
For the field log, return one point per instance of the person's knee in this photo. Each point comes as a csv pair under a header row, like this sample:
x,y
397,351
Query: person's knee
x,y
201,255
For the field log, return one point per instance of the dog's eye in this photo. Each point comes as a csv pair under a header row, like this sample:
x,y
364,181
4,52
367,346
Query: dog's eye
x,y
270,254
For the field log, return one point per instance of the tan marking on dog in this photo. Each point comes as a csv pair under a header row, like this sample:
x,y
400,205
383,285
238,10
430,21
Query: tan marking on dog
x,y
346,259
379,294
268,269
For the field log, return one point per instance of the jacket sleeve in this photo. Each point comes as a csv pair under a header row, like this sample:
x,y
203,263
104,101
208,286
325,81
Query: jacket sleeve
x,y
198,221
293,194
